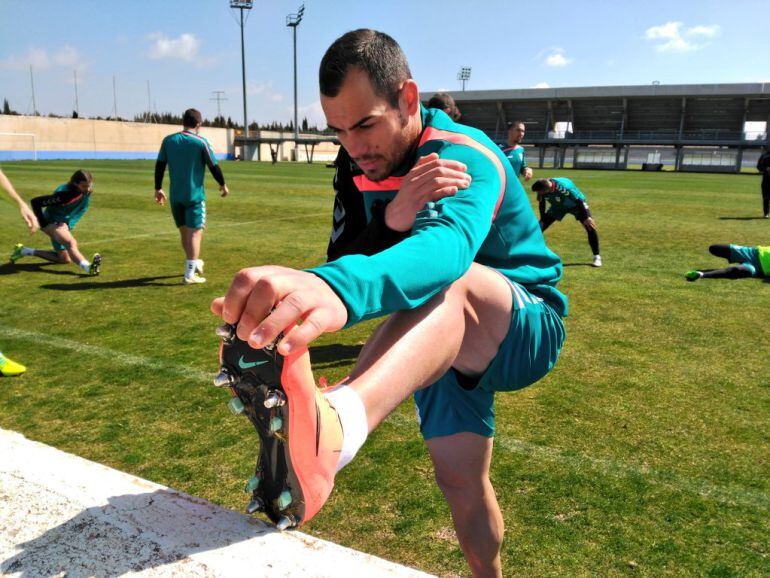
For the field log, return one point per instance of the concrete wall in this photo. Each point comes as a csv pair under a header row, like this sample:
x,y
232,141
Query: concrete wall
x,y
67,138
322,152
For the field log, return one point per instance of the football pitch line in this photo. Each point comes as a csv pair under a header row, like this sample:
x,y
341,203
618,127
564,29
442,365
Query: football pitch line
x,y
730,494
171,231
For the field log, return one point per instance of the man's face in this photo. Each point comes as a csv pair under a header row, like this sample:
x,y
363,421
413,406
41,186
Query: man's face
x,y
84,187
376,135
516,134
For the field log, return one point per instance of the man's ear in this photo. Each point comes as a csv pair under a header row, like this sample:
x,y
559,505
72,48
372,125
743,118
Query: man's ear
x,y
409,99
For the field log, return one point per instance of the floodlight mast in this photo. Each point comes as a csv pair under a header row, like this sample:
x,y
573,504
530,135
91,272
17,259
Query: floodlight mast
x,y
292,21
243,5
464,75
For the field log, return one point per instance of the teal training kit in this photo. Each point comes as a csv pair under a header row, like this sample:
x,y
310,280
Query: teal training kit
x,y
515,156
490,223
187,155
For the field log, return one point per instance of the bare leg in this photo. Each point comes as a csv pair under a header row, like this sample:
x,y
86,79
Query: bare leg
x,y
62,235
191,242
461,327
461,462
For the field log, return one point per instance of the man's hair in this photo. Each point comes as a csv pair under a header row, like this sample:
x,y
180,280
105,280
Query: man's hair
x,y
444,101
81,176
516,123
541,186
191,118
376,53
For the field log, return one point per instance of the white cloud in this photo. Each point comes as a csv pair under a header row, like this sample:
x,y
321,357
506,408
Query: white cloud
x,y
183,48
707,31
39,58
312,112
557,59
670,37
264,89
542,85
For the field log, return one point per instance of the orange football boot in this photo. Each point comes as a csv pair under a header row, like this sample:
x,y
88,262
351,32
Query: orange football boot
x,y
300,432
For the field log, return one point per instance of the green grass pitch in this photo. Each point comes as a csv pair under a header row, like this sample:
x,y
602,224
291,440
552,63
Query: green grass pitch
x,y
645,452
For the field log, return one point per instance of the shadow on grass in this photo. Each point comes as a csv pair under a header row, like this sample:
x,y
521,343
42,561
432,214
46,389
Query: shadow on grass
x,y
577,265
334,355
12,269
133,533
741,218
122,284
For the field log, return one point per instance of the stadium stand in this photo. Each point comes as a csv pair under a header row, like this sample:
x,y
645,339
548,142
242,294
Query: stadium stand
x,y
698,127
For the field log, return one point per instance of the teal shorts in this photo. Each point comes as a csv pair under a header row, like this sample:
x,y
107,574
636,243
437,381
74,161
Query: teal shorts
x,y
191,215
581,212
746,256
528,352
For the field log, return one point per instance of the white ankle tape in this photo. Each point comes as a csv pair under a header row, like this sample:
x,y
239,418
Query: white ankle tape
x,y
352,414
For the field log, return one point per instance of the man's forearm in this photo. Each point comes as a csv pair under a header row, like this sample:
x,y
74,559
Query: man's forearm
x,y
216,172
160,171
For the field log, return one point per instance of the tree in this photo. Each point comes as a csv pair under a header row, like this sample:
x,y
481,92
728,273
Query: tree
x,y
304,125
74,114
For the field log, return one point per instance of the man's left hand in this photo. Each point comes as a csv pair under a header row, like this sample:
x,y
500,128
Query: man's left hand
x,y
224,190
528,173
265,301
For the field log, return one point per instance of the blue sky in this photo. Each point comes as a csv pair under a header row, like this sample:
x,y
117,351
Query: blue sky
x,y
187,49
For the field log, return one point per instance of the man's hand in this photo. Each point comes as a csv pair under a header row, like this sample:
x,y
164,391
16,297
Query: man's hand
x,y
160,197
224,190
29,217
589,224
528,173
430,179
297,297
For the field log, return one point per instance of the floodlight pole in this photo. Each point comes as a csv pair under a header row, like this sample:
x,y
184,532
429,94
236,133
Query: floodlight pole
x,y
32,83
243,5
292,21
464,74
77,105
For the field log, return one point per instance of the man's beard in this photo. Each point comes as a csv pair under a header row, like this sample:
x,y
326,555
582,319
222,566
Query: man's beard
x,y
402,149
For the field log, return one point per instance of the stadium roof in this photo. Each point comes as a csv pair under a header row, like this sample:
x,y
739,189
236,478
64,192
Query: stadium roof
x,y
703,112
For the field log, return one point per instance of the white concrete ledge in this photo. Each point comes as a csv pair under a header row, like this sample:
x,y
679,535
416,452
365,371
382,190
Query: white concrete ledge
x,y
61,515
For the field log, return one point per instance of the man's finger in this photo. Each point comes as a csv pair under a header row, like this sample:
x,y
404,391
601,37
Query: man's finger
x,y
288,312
239,291
217,305
303,334
263,297
442,193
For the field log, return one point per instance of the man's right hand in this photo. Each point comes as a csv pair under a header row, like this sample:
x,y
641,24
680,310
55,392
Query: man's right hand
x,y
431,179
29,217
160,197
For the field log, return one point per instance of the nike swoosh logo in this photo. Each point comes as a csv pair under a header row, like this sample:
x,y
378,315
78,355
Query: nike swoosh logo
x,y
339,212
246,365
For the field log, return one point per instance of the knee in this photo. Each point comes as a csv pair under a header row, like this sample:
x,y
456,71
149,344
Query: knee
x,y
453,482
64,257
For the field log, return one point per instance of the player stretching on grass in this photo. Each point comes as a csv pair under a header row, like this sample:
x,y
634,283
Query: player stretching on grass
x,y
750,262
471,294
187,155
58,214
8,367
565,198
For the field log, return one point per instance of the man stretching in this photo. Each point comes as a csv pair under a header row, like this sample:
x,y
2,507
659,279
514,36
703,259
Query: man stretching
x,y
565,198
470,293
748,262
58,214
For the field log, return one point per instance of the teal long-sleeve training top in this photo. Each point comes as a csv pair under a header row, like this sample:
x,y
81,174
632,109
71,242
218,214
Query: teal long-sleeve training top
x,y
491,222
